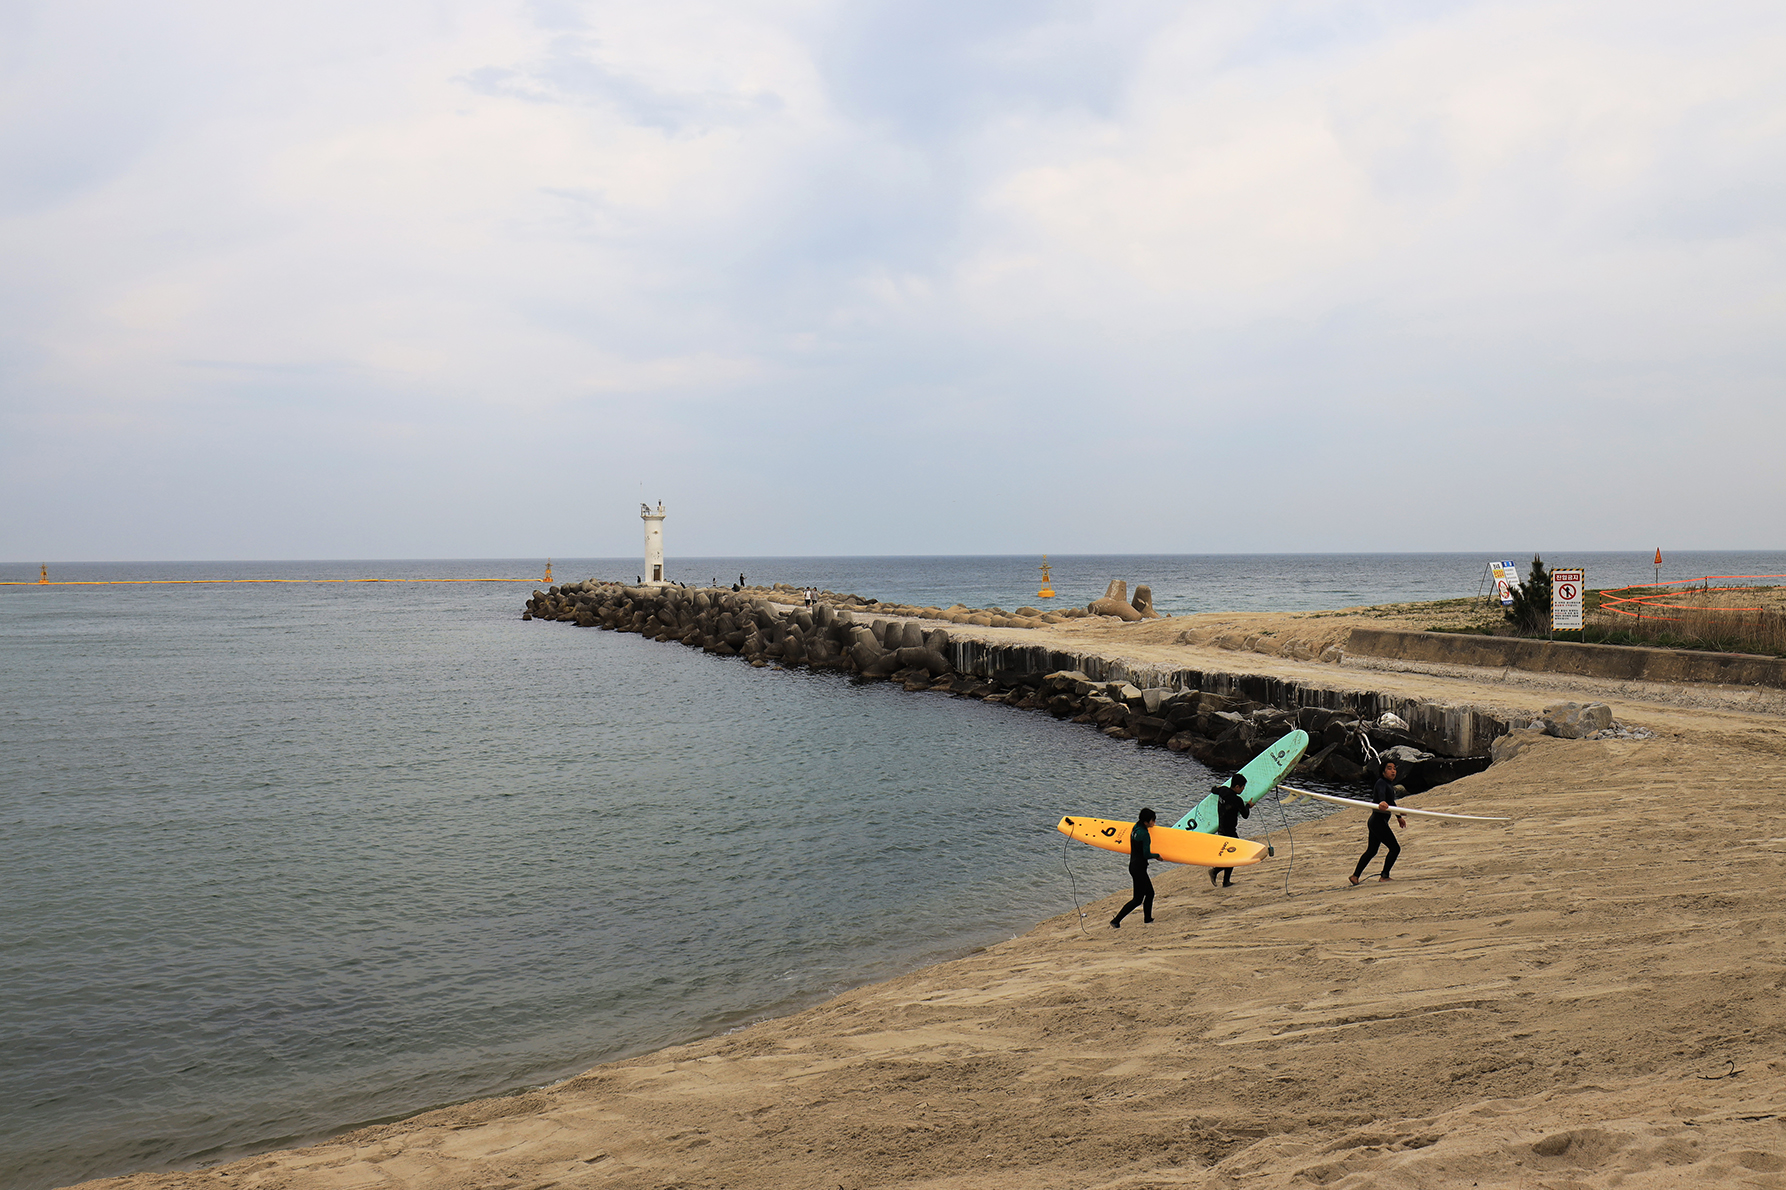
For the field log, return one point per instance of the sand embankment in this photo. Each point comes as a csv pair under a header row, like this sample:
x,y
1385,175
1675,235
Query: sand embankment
x,y
1589,996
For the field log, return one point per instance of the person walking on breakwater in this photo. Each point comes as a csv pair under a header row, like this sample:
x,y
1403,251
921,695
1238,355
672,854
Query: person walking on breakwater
x,y
1230,808
1140,851
1380,834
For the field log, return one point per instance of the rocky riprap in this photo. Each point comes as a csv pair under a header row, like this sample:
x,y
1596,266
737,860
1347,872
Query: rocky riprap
x,y
1222,730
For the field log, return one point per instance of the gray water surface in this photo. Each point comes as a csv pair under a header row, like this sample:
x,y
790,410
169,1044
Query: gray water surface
x,y
279,860
282,860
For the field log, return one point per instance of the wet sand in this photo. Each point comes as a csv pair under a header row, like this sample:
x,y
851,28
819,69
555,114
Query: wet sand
x,y
1589,996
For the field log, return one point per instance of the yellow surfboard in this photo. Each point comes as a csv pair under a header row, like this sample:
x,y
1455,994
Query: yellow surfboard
x,y
1169,843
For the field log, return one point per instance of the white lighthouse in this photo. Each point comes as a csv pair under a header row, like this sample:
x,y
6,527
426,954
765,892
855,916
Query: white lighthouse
x,y
654,543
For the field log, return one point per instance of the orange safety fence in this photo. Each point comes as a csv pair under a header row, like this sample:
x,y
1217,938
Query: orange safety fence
x,y
1612,601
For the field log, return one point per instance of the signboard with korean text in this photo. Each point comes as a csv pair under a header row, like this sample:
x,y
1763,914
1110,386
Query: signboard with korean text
x,y
1565,599
1506,578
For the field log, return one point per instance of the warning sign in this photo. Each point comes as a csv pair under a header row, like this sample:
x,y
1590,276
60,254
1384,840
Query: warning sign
x,y
1506,578
1565,598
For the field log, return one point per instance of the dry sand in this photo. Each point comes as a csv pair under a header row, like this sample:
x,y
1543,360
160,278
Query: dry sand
x,y
1587,997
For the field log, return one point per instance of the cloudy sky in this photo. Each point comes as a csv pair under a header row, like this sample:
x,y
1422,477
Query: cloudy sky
x,y
470,278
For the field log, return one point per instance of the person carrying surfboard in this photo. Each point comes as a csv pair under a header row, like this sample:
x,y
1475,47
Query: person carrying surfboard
x,y
1380,834
1230,808
1140,851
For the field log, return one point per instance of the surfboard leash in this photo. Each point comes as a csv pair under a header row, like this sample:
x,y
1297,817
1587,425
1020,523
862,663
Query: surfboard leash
x,y
1065,843
1291,867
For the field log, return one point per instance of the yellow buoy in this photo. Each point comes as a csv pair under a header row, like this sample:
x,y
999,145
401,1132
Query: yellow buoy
x,y
548,570
43,573
1047,591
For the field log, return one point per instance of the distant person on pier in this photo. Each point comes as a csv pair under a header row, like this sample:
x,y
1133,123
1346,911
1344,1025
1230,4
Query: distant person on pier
x,y
1140,851
741,583
1230,808
1380,834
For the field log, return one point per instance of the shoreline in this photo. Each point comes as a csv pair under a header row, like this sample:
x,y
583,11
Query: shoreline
x,y
1018,1064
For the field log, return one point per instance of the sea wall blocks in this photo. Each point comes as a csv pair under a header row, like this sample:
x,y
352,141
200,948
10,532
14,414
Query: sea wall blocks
x,y
1222,719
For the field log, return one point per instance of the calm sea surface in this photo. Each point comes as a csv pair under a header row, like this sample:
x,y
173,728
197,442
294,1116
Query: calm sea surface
x,y
280,859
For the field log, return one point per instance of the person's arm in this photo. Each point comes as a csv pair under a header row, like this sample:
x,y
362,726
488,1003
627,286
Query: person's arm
x,y
1386,794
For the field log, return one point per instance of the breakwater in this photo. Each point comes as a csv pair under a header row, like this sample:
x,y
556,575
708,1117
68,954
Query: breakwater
x,y
1222,719
1620,662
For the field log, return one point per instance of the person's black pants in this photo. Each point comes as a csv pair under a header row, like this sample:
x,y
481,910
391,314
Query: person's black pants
x,y
1143,896
1381,836
1225,875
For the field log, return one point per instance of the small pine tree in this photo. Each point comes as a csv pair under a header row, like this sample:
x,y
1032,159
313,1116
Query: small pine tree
x,y
1531,600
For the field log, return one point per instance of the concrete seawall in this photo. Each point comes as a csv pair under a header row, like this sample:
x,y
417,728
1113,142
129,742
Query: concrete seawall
x,y
1445,730
1621,662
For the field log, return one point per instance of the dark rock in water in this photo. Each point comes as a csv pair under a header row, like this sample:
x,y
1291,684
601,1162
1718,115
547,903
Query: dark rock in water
x,y
1149,730
1181,742
1311,762
1224,754
1339,767
929,659
1113,714
1064,680
1314,720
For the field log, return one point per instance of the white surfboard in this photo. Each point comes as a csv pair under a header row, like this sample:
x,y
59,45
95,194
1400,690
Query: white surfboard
x,y
1358,805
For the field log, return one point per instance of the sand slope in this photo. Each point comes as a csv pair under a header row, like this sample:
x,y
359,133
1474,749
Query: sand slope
x,y
1548,1003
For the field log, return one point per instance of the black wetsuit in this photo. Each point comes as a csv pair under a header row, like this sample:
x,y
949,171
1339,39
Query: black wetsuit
x,y
1140,851
1230,808
1380,834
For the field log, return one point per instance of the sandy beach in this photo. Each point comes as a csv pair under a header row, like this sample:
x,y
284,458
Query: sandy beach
x,y
1589,996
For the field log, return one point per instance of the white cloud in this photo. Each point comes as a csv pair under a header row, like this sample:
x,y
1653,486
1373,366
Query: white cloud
x,y
1231,269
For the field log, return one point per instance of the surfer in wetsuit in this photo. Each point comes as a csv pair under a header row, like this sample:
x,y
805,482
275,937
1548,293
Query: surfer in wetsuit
x,y
1230,808
1380,834
1140,851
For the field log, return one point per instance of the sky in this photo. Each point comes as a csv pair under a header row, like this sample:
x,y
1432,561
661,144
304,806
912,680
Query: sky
x,y
456,278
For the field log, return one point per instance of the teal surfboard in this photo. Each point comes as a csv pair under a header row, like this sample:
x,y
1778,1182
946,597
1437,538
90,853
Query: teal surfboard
x,y
1262,775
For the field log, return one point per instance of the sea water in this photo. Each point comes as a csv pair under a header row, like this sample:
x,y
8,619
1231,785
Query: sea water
x,y
280,859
